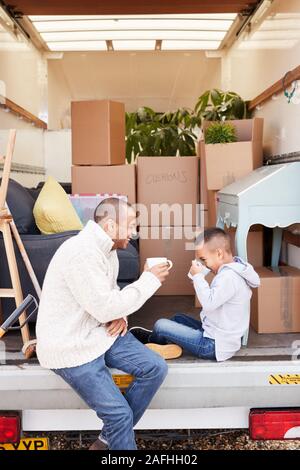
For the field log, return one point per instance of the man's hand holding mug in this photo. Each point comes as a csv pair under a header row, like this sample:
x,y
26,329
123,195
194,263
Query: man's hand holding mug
x,y
160,267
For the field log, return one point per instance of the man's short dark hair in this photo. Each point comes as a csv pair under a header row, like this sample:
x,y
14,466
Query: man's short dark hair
x,y
111,207
213,233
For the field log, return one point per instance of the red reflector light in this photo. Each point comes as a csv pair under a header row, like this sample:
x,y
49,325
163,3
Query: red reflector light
x,y
274,423
9,429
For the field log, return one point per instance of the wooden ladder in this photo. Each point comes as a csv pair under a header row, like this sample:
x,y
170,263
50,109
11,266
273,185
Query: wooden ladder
x,y
6,222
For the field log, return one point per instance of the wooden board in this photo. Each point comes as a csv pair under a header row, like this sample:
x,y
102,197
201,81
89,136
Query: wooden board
x,y
120,7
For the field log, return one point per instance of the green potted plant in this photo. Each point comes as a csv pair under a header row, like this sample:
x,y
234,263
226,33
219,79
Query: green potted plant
x,y
220,133
160,134
231,150
156,142
149,133
218,105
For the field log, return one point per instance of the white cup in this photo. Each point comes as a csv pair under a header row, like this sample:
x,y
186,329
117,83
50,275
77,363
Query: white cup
x,y
154,261
205,271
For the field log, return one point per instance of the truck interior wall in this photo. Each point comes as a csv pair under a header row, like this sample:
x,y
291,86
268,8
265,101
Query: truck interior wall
x,y
252,66
159,81
29,151
162,80
23,72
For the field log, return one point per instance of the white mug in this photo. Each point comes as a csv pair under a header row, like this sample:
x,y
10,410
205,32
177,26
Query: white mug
x,y
205,271
154,261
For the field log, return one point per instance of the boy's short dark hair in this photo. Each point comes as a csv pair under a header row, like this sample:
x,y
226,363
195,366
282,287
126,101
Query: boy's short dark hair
x,y
214,232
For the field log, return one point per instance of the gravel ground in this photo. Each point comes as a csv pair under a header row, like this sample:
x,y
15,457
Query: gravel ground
x,y
169,440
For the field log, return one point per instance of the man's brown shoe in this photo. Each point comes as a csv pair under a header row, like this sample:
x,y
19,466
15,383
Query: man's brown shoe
x,y
167,351
98,445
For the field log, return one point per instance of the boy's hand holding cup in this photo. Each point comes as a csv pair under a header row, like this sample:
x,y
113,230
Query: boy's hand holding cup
x,y
196,268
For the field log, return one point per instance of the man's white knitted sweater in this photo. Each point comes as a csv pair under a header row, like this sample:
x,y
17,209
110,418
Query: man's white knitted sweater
x,y
80,295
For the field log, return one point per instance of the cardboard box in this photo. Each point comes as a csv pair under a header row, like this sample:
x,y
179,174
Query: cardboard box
x,y
226,163
168,181
171,243
98,132
207,198
212,208
105,179
275,305
255,246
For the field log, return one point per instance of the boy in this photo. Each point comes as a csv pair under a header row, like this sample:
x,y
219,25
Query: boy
x,y
225,303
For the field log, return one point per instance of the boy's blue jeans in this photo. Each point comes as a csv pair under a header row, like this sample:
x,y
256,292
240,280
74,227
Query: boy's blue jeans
x,y
185,331
94,384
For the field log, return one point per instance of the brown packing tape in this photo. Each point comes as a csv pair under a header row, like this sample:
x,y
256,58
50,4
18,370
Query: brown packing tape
x,y
286,303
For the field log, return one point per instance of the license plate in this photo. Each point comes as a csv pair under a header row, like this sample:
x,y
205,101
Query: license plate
x,y
35,443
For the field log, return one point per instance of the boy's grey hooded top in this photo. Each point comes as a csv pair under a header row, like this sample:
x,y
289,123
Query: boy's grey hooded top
x,y
225,304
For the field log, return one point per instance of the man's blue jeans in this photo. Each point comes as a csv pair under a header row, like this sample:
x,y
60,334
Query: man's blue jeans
x,y
185,331
94,384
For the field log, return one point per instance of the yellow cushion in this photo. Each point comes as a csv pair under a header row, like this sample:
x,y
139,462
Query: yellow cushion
x,y
53,211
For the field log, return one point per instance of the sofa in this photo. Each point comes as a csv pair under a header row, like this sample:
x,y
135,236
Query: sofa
x,y
41,248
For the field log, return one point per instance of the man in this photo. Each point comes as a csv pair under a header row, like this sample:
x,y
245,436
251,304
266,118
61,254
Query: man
x,y
82,326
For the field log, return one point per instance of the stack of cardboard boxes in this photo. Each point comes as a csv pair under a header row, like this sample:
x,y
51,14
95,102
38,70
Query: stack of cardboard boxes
x,y
220,165
275,305
174,183
99,165
98,149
